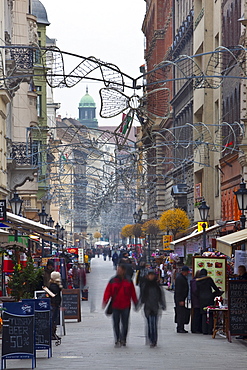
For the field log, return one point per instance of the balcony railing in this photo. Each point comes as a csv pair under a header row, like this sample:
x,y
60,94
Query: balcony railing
x,y
25,154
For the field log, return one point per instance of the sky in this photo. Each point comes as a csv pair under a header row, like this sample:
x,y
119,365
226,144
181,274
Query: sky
x,y
109,30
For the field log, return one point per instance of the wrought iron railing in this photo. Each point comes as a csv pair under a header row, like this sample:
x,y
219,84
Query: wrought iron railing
x,y
25,154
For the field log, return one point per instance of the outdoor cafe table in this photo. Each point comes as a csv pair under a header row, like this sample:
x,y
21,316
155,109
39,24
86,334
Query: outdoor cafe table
x,y
218,314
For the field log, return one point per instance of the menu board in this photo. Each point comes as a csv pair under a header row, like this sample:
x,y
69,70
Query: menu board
x,y
215,266
71,304
18,341
237,304
42,321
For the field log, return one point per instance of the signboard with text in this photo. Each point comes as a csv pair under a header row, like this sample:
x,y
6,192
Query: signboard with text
x,y
18,338
200,227
167,239
215,266
3,215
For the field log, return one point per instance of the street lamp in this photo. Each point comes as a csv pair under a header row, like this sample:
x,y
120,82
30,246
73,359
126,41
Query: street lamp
x,y
43,218
50,222
241,195
204,209
57,227
16,203
135,216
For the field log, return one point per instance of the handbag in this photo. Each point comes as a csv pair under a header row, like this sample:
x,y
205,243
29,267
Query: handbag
x,y
108,310
186,315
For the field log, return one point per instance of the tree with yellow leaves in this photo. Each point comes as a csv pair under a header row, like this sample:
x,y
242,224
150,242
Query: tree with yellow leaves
x,y
174,220
127,231
97,235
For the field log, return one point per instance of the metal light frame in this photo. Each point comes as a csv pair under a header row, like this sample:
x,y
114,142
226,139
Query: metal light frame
x,y
16,204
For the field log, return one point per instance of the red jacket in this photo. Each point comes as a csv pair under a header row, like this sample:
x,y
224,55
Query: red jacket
x,y
122,291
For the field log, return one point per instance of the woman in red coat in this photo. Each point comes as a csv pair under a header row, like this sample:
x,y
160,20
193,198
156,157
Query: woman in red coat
x,y
121,290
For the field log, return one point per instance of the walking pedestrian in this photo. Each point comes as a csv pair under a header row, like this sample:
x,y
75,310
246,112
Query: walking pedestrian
x,y
115,259
121,290
180,295
153,298
55,287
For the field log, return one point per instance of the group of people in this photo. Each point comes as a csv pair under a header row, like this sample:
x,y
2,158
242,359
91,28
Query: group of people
x,y
121,291
203,293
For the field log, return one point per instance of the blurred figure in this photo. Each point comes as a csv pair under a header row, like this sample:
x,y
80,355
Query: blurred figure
x,y
49,268
125,260
180,295
115,259
121,290
55,287
205,287
242,274
141,274
104,254
153,298
196,317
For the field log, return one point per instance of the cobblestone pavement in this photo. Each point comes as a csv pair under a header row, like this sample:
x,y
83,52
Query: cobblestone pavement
x,y
89,344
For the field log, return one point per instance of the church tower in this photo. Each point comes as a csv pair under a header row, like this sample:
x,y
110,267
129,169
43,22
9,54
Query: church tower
x,y
87,111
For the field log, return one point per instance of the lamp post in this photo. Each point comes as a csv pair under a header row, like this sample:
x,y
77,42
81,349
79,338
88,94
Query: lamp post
x,y
43,217
50,222
16,204
62,230
241,195
57,227
136,217
204,209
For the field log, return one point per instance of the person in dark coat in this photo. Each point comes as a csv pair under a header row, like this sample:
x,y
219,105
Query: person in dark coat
x,y
49,268
196,317
153,298
125,260
55,287
180,295
115,259
205,287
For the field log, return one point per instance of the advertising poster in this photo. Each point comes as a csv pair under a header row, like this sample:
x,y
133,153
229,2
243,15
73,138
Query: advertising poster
x,y
215,266
240,259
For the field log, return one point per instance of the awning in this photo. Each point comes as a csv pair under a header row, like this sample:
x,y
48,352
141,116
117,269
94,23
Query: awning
x,y
195,234
225,243
27,223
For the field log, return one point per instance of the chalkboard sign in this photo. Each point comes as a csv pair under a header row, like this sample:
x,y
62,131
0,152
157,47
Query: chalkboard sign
x,y
18,338
71,304
42,315
237,304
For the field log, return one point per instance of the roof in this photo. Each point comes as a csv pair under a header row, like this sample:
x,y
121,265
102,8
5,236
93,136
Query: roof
x,y
40,13
225,243
87,101
25,224
194,234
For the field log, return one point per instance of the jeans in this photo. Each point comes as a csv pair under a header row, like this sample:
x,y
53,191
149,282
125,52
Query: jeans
x,y
152,329
120,316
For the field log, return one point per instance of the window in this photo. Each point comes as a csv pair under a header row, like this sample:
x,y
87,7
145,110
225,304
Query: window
x,y
39,101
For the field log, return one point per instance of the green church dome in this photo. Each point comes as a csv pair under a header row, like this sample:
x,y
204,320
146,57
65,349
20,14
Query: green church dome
x,y
87,101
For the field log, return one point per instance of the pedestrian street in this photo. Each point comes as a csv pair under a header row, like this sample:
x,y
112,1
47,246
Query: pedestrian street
x,y
89,344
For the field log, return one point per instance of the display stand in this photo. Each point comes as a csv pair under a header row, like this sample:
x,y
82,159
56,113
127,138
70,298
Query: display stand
x,y
18,339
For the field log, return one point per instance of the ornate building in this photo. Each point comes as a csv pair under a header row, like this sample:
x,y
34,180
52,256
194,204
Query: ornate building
x,y
87,111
